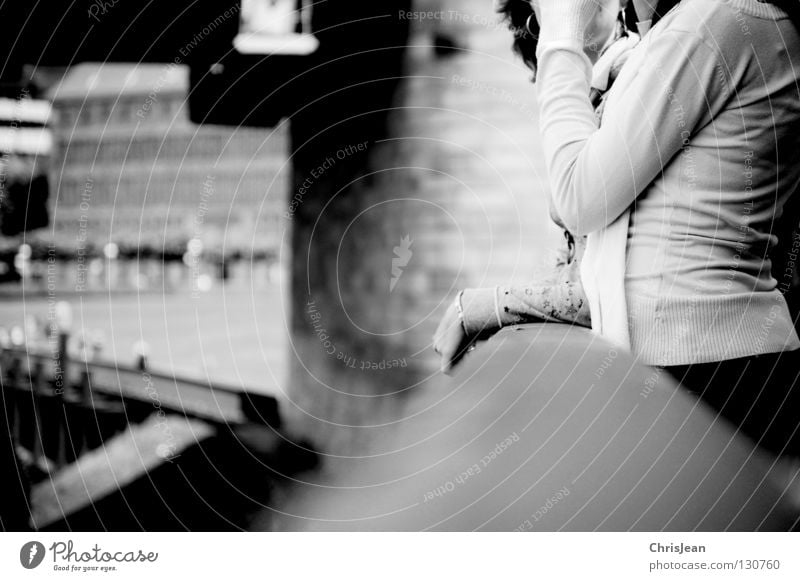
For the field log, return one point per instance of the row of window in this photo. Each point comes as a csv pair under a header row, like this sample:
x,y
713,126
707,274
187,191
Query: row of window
x,y
208,143
220,191
127,110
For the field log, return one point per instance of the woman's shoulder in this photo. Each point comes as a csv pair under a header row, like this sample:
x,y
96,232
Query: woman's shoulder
x,y
719,19
738,32
728,28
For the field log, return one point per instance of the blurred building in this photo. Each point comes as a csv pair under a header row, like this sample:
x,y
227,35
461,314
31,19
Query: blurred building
x,y
25,146
129,167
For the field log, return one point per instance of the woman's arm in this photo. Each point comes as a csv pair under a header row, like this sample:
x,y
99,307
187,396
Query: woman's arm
x,y
596,172
486,310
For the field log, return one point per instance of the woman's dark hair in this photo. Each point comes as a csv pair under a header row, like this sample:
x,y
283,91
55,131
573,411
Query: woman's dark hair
x,y
518,15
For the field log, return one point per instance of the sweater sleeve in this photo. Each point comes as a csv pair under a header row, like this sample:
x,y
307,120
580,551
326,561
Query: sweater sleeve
x,y
487,310
596,172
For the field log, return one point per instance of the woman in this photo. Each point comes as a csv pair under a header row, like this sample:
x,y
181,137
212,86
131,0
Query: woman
x,y
478,313
695,158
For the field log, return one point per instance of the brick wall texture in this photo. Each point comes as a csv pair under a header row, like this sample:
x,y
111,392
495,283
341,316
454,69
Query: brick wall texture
x,y
453,191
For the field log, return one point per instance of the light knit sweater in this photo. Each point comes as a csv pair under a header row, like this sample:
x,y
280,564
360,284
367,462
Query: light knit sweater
x,y
679,187
557,297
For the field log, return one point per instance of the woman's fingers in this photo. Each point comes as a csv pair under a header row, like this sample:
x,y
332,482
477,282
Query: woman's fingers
x,y
450,355
450,340
454,350
452,346
449,319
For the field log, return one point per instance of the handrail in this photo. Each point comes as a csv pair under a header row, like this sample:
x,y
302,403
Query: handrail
x,y
214,402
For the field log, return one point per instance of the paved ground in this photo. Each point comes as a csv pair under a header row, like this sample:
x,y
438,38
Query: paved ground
x,y
234,336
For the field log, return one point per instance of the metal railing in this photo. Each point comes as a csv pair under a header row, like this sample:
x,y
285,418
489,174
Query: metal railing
x,y
57,408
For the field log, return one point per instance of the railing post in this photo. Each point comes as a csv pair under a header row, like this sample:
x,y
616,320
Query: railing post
x,y
63,316
63,320
141,350
11,373
36,381
87,410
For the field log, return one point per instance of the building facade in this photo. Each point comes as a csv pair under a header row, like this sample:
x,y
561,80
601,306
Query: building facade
x,y
129,167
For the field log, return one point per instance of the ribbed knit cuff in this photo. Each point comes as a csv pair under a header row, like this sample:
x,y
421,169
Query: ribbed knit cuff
x,y
480,314
565,22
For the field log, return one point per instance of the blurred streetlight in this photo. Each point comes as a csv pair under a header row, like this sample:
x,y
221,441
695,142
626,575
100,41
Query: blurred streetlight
x,y
111,251
22,260
17,336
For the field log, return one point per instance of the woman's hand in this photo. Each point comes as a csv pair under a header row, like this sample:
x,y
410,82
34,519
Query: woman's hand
x,y
591,22
450,340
